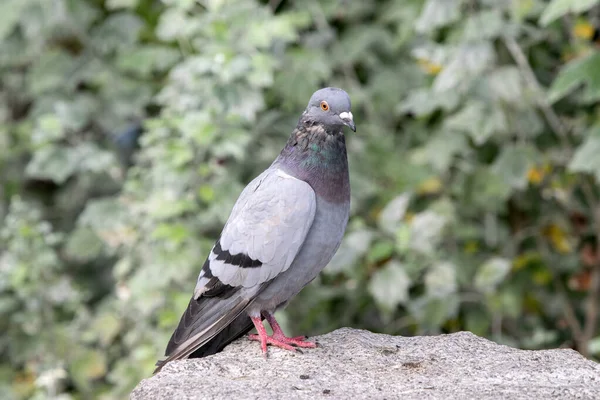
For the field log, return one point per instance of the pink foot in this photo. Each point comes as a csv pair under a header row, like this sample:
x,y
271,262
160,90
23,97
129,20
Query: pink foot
x,y
278,339
285,342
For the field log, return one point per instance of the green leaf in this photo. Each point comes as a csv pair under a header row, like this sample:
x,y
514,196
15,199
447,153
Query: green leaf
x,y
431,313
484,25
477,321
403,239
49,128
148,59
117,31
174,23
507,84
468,62
107,326
481,122
440,280
122,268
55,163
526,121
540,339
92,158
389,286
355,245
164,206
558,8
380,251
393,213
103,215
87,366
262,33
426,231
491,274
513,164
83,245
440,150
58,163
521,9
198,127
423,102
586,157
436,14
75,115
82,13
487,191
594,345
116,4
10,14
583,71
206,193
174,233
52,72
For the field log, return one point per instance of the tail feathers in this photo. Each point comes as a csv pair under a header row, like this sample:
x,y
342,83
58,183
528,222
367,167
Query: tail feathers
x,y
238,328
203,321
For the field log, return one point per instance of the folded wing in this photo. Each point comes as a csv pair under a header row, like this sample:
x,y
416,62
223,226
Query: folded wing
x,y
265,231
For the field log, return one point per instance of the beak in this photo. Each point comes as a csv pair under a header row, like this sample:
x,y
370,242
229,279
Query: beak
x,y
348,120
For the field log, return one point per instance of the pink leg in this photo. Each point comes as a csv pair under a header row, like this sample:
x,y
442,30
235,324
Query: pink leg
x,y
263,338
299,341
278,338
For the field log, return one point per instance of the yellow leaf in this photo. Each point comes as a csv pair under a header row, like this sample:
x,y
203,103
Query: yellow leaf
x,y
531,303
430,67
583,30
24,383
542,277
471,247
536,174
375,212
432,185
523,260
558,237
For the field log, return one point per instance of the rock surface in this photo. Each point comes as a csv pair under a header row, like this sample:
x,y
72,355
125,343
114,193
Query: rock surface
x,y
356,364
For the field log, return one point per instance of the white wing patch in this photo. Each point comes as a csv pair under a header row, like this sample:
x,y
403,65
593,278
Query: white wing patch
x,y
284,175
269,224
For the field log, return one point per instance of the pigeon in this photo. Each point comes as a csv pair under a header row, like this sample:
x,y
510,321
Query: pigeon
x,y
283,230
127,143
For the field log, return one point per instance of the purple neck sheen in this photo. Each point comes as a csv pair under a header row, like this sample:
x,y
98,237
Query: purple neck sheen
x,y
316,154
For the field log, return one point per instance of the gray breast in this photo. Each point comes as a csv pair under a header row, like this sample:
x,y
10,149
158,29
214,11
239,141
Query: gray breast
x,y
321,243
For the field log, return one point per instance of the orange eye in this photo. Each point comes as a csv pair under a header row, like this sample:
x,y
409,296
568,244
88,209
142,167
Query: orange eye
x,y
324,106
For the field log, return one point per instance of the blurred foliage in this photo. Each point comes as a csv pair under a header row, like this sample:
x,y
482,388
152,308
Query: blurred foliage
x,y
129,127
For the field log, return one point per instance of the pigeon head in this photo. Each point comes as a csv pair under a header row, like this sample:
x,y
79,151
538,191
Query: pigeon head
x,y
316,150
331,107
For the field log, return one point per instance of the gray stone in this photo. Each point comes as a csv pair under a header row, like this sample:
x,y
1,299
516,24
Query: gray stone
x,y
356,364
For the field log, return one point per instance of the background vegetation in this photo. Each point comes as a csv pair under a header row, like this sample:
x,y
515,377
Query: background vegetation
x,y
129,127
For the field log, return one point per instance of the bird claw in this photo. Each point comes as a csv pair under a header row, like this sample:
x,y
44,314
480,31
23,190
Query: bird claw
x,y
298,341
301,338
278,338
283,342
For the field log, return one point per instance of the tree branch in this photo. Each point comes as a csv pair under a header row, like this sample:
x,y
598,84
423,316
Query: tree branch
x,y
553,120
